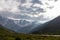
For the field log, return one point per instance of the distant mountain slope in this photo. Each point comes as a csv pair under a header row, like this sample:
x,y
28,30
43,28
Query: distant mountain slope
x,y
19,26
52,27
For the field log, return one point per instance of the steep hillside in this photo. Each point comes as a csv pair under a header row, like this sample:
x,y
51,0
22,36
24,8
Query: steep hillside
x,y
52,27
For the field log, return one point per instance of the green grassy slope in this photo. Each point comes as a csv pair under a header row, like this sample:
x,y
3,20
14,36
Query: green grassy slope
x,y
6,34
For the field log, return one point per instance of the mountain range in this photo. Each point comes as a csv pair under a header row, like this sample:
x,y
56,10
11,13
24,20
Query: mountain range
x,y
22,26
51,27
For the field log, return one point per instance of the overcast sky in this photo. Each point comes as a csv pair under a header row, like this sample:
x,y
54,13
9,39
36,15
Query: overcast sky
x,y
36,10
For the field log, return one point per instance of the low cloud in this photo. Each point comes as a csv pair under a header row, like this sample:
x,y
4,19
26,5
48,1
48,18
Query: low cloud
x,y
29,9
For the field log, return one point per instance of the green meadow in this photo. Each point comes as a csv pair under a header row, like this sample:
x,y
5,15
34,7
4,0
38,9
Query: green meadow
x,y
6,34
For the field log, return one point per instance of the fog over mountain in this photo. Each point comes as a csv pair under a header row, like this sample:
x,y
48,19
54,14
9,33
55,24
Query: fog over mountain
x,y
24,15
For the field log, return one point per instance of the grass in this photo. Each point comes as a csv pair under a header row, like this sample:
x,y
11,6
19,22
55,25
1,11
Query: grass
x,y
10,35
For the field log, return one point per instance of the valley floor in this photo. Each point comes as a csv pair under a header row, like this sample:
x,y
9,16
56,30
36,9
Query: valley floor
x,y
30,37
6,34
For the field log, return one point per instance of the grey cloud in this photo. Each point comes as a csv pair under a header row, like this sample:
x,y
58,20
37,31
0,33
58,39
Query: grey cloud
x,y
21,1
36,1
30,10
22,17
6,14
40,18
